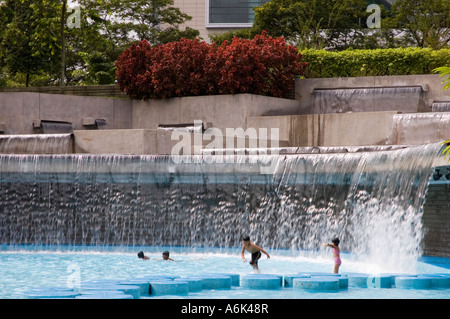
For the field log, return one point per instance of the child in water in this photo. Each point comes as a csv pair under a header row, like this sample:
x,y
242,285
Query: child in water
x,y
254,250
142,256
165,255
336,253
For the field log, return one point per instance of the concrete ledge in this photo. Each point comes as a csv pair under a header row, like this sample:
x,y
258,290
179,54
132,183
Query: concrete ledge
x,y
413,282
325,283
215,281
195,284
289,279
135,291
358,280
437,281
262,281
142,283
379,281
50,293
91,90
154,141
104,295
169,288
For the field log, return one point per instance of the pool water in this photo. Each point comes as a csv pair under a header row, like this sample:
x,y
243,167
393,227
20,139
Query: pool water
x,y
23,268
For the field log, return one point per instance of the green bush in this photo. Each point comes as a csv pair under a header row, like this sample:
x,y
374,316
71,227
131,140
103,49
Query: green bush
x,y
378,62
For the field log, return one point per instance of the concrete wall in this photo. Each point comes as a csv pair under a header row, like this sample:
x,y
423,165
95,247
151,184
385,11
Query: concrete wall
x,y
155,141
91,90
133,141
220,111
19,110
297,120
346,129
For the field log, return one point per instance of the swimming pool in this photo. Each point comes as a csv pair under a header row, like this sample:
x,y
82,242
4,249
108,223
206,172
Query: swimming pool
x,y
25,268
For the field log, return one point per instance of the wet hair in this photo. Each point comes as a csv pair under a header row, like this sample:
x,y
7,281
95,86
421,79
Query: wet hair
x,y
246,238
165,253
141,254
335,241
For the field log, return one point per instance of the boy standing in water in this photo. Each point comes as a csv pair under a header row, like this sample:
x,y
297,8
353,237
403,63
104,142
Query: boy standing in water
x,y
254,250
336,253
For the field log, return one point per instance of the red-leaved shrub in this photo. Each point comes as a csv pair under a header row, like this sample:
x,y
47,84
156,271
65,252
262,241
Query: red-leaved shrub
x,y
131,64
262,65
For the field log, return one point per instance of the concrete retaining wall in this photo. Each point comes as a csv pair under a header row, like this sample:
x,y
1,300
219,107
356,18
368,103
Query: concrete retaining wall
x,y
21,113
219,111
134,141
346,129
297,120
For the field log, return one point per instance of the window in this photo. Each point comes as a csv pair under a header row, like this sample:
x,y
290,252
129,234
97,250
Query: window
x,y
231,13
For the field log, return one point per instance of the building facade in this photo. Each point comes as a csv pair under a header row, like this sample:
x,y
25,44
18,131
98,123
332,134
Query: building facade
x,y
218,16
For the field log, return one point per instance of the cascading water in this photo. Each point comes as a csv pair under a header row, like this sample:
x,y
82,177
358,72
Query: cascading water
x,y
427,127
440,106
36,144
341,100
371,200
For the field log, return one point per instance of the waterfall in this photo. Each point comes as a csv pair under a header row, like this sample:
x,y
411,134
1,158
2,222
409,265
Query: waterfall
x,y
372,200
427,127
36,144
440,106
370,99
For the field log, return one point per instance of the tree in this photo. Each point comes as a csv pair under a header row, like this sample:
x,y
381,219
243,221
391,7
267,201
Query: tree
x,y
156,21
36,40
426,23
311,23
28,44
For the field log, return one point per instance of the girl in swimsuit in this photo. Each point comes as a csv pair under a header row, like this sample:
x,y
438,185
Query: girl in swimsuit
x,y
336,253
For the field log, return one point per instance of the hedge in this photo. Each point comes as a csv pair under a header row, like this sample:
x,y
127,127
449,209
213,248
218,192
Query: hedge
x,y
378,62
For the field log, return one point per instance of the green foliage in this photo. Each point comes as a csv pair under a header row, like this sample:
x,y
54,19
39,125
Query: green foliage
x,y
446,149
220,38
3,80
311,23
31,40
28,43
379,62
445,74
156,21
426,23
342,24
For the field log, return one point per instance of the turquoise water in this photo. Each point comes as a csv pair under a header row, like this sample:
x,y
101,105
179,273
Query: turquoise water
x,y
24,268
